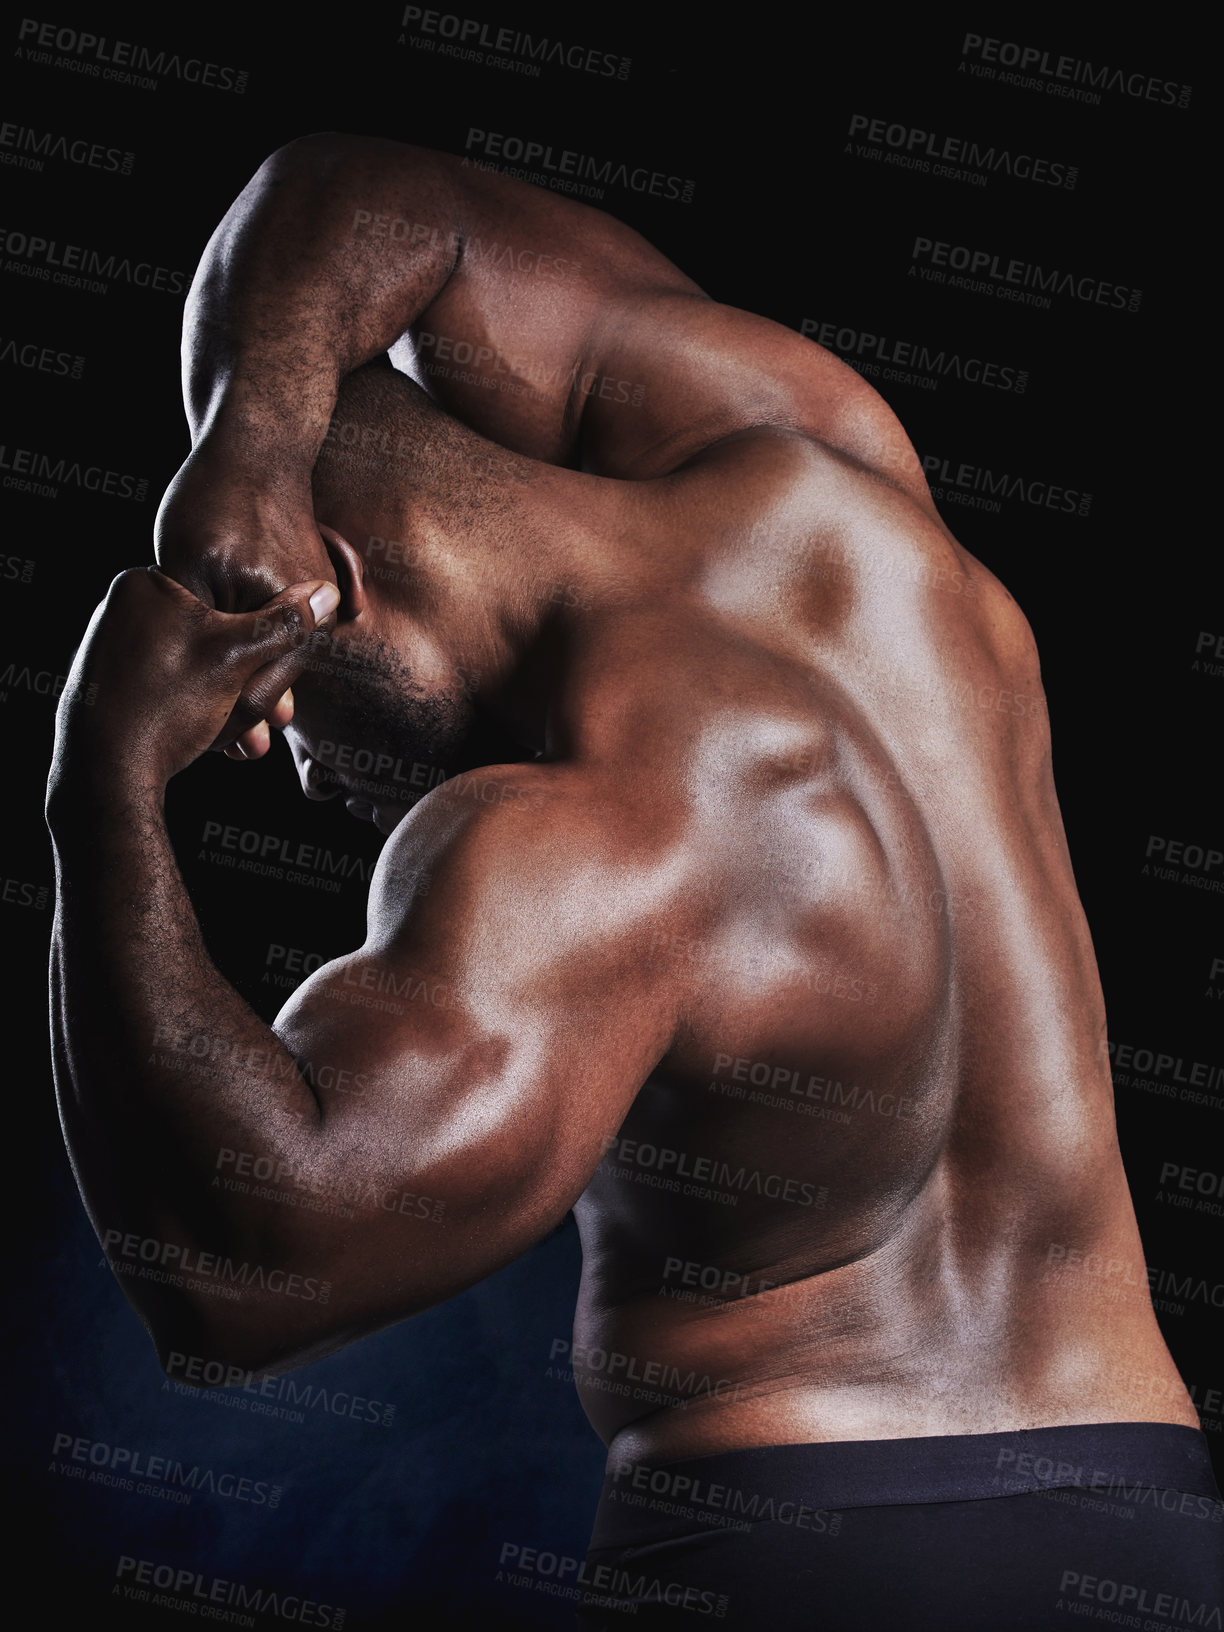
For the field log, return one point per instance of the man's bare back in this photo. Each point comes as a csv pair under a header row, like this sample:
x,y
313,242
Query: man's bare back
x,y
812,742
870,918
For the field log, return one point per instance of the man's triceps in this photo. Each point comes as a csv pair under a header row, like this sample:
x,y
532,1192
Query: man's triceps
x,y
471,1062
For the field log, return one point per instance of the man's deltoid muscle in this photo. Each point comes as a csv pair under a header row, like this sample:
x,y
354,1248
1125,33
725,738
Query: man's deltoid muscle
x,y
730,908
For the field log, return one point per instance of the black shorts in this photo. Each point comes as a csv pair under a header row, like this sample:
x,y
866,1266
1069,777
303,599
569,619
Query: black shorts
x,y
1102,1525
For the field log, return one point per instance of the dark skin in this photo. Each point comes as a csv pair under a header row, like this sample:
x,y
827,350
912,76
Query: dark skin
x,y
773,812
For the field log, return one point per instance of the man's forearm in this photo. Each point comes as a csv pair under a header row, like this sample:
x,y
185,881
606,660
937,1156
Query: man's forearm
x,y
291,295
132,989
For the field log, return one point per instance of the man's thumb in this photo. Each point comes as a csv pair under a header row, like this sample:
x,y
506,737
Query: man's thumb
x,y
290,617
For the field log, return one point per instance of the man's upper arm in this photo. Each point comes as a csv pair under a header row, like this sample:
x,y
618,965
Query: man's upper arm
x,y
485,1043
511,345
564,335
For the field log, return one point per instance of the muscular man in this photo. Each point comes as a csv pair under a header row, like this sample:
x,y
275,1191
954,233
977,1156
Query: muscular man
x,y
744,925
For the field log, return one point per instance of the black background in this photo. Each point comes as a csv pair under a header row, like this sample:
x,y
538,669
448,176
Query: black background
x,y
754,106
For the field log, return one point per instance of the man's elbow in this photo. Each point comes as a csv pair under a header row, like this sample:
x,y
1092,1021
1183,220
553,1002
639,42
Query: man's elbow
x,y
238,1349
193,1370
237,1342
285,1302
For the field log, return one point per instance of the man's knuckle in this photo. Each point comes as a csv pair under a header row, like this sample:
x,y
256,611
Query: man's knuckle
x,y
293,624
247,711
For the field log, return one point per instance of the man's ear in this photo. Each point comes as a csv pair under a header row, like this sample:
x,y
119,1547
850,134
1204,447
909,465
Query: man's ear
x,y
350,574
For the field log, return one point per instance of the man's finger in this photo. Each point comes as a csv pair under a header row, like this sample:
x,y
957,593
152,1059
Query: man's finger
x,y
254,744
274,641
283,712
263,698
280,626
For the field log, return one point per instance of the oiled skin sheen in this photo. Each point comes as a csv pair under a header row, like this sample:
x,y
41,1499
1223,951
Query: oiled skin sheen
x,y
871,892
795,818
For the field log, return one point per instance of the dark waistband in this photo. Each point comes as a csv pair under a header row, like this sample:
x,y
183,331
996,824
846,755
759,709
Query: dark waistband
x,y
1126,1460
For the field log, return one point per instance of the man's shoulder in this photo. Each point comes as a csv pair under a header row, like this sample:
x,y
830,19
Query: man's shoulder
x,y
530,892
503,828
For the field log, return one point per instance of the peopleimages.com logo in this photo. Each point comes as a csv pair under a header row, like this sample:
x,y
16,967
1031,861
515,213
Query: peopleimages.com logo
x,y
985,272
469,39
1033,67
571,170
124,62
